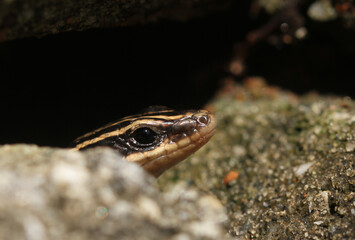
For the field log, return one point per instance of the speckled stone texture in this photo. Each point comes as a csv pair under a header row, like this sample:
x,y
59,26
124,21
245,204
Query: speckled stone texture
x,y
291,158
48,193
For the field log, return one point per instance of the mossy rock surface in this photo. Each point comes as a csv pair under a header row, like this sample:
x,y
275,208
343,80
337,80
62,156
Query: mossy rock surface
x,y
283,165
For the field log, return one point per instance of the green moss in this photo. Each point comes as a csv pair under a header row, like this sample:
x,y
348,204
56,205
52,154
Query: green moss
x,y
295,159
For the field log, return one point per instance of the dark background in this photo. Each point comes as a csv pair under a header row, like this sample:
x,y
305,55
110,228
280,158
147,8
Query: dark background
x,y
56,88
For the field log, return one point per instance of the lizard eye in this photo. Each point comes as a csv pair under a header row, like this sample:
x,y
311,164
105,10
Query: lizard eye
x,y
144,136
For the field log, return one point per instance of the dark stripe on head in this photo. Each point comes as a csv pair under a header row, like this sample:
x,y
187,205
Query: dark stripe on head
x,y
124,122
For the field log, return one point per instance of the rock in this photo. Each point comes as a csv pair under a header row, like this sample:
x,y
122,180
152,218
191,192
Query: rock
x,y
26,18
295,171
49,193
